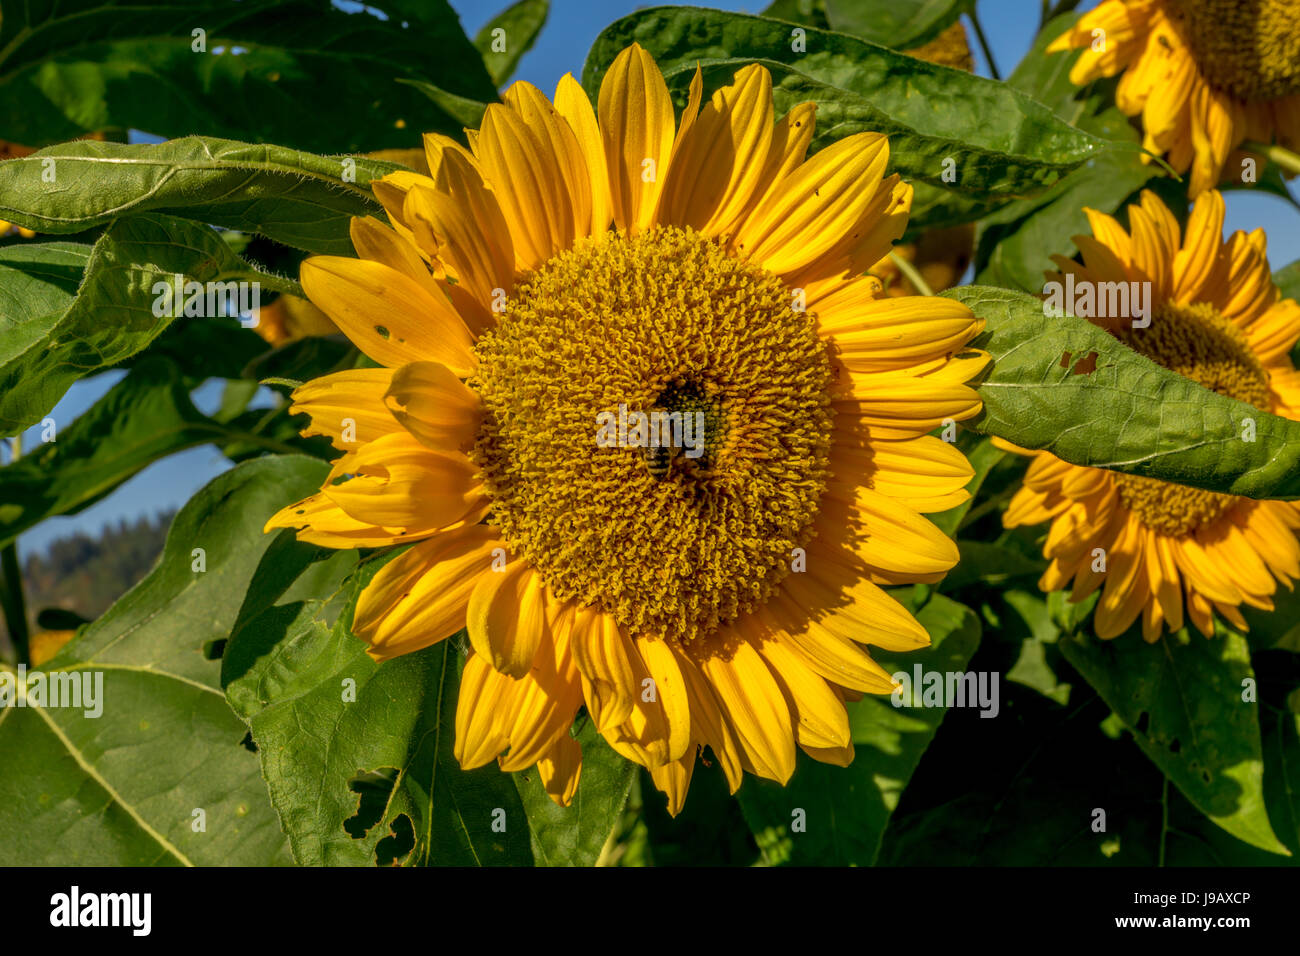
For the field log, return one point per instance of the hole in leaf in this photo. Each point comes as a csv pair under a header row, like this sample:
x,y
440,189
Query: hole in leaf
x,y
399,844
373,789
248,743
1175,746
214,649
1086,365
1143,721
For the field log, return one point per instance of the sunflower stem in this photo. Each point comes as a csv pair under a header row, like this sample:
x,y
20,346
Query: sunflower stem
x,y
911,274
1279,155
984,43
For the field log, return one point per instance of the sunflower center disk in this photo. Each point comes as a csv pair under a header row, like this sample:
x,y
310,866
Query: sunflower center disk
x,y
1199,343
1251,48
656,430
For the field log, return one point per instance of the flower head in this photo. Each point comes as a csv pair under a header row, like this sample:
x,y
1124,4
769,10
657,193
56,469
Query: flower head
x,y
659,470
1205,75
1218,319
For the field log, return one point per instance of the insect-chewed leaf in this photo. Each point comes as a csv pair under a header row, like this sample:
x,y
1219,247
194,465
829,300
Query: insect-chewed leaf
x,y
1120,410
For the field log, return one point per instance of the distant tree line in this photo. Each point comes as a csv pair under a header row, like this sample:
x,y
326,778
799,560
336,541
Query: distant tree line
x,y
85,574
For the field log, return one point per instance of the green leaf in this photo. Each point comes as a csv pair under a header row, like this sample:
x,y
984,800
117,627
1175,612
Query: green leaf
x,y
48,339
1003,145
208,348
1126,413
306,73
297,198
146,416
574,835
900,24
1287,280
1035,665
1016,242
1281,745
292,669
121,789
1182,698
808,12
519,24
988,563
847,808
983,455
1025,790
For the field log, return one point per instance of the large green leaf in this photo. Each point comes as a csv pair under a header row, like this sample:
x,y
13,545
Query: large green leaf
x,y
48,339
1186,701
1119,410
519,25
846,809
574,835
121,789
1002,144
301,72
900,24
1281,743
1287,280
146,416
1017,241
1025,790
297,198
290,665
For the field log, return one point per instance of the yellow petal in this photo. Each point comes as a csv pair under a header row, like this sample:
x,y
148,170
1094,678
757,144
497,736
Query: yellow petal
x,y
561,149
636,121
755,708
421,596
435,406
527,180
722,157
604,658
572,103
506,617
399,483
347,406
816,204
386,314
560,769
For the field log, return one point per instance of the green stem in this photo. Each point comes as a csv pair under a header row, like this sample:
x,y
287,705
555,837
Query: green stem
x,y
275,283
911,274
1279,155
984,43
270,444
1064,6
11,588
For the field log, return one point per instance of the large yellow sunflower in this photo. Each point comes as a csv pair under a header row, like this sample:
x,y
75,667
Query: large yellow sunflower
x,y
713,595
1150,545
1206,75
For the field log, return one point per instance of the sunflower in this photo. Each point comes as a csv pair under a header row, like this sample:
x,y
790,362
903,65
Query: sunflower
x,y
1206,75
715,592
1217,318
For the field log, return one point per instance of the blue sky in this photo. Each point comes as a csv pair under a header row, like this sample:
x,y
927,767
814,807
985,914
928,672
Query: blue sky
x,y
1009,24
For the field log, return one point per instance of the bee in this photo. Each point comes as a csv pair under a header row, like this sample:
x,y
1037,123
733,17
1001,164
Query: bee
x,y
658,456
658,460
